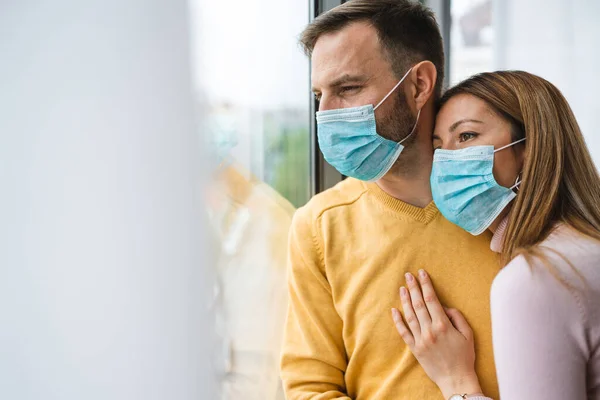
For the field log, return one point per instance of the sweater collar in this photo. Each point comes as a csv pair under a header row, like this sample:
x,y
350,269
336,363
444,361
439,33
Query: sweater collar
x,y
498,238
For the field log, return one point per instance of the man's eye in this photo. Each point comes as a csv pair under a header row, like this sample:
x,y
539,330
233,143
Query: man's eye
x,y
317,96
467,136
346,89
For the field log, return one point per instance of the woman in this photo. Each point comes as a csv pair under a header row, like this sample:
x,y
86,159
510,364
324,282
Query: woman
x,y
510,158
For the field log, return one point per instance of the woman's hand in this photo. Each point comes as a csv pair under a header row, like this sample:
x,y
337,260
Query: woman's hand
x,y
440,339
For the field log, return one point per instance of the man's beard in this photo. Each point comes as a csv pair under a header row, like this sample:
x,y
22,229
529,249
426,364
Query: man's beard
x,y
396,126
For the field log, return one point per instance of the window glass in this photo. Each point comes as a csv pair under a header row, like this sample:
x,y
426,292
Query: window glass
x,y
472,38
252,80
252,90
557,40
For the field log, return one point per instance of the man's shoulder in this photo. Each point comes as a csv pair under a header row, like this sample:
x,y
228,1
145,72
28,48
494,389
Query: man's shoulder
x,y
342,195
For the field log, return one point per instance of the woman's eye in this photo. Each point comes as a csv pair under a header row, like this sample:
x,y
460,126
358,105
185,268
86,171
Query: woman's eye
x,y
467,136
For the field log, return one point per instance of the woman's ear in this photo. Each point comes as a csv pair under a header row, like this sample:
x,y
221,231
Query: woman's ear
x,y
520,155
424,78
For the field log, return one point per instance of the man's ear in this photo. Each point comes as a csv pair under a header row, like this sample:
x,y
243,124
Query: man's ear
x,y
423,78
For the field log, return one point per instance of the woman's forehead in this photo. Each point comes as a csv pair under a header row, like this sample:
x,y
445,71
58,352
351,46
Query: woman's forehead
x,y
464,106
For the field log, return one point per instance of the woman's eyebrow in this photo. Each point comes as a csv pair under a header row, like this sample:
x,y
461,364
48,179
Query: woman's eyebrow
x,y
462,121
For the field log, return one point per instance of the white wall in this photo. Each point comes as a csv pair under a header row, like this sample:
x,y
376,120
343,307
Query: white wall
x,y
558,40
103,276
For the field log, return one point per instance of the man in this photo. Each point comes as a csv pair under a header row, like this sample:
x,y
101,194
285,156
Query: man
x,y
351,246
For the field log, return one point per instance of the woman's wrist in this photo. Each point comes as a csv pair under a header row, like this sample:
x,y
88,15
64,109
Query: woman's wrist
x,y
468,384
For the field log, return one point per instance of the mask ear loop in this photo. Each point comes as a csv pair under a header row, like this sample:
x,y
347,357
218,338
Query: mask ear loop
x,y
413,129
393,89
509,145
517,182
390,93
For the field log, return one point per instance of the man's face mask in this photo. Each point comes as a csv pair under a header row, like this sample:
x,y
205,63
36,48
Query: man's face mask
x,y
350,143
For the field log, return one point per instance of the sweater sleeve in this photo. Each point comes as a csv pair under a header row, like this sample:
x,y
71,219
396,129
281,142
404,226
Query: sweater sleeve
x,y
313,359
538,334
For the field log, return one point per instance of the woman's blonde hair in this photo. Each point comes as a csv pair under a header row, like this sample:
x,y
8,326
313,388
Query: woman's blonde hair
x,y
559,180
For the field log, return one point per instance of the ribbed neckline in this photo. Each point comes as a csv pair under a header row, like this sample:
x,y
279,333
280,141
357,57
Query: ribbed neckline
x,y
424,215
497,240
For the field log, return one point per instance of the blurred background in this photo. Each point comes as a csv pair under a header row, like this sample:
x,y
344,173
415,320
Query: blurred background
x,y
253,82
257,90
152,155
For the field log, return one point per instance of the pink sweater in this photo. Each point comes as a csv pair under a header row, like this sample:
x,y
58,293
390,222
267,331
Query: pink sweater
x,y
547,336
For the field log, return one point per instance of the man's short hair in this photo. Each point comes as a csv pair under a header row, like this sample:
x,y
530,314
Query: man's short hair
x,y
406,29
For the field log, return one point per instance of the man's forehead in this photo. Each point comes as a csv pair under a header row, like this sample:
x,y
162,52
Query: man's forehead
x,y
354,50
357,36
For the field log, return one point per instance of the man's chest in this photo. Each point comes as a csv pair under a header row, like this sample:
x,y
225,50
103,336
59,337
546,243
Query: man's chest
x,y
365,276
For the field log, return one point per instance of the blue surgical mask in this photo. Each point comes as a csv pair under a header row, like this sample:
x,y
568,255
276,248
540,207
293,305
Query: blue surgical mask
x,y
464,188
350,143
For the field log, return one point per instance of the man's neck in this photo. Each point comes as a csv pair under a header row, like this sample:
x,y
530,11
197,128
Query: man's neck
x,y
408,180
412,188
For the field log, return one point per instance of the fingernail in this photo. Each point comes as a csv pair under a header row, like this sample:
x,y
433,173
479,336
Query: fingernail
x,y
403,292
409,277
422,274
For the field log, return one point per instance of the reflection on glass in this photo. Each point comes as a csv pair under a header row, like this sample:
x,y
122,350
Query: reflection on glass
x,y
250,224
254,83
252,90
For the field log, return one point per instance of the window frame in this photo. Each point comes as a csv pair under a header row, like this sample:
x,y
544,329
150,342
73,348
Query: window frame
x,y
323,176
442,8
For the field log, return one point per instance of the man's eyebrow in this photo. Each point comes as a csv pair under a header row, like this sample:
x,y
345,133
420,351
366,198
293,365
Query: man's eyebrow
x,y
346,78
462,121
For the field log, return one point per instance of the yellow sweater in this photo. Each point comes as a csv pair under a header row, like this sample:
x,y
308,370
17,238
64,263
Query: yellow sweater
x,y
349,250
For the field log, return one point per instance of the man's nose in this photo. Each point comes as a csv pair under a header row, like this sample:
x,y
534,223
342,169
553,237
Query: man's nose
x,y
328,102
